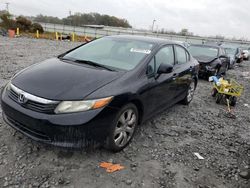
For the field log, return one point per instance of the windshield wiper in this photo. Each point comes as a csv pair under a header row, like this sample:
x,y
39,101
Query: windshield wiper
x,y
93,64
65,59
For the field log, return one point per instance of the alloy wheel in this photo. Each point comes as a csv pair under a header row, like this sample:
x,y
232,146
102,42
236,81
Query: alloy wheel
x,y
191,90
125,127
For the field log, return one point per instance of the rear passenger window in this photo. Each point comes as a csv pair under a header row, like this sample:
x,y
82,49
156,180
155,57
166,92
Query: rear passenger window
x,y
181,54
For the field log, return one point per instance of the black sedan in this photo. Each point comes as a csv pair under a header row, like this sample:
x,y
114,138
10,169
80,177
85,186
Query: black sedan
x,y
100,91
213,59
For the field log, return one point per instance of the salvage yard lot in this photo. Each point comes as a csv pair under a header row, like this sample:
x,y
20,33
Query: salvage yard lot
x,y
161,153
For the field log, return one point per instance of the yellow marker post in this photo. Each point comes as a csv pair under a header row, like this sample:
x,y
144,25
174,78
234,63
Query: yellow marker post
x,y
56,36
37,34
17,31
73,37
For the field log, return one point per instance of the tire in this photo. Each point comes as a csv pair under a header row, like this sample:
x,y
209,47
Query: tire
x,y
123,128
190,93
232,100
206,77
227,67
214,92
218,98
225,70
232,65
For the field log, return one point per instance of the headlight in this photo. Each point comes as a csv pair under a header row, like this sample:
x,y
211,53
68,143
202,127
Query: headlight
x,y
81,106
7,87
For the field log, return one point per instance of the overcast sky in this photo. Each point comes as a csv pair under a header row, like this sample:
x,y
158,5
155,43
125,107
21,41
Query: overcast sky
x,y
204,17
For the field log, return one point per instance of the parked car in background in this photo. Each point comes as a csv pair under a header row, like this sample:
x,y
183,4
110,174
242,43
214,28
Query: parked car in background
x,y
213,59
99,91
245,53
185,44
3,32
235,55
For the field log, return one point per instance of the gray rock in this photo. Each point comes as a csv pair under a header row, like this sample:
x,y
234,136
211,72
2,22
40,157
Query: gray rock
x,y
129,182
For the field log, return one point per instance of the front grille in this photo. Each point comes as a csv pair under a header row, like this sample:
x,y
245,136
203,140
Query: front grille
x,y
33,105
13,95
203,66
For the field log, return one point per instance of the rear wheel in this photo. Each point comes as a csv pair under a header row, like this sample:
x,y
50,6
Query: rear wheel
x,y
232,65
227,67
123,128
190,93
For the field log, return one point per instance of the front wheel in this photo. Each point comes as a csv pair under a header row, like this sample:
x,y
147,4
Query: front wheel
x,y
190,93
123,128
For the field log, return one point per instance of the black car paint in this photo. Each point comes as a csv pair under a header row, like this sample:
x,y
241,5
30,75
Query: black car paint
x,y
210,65
60,80
73,81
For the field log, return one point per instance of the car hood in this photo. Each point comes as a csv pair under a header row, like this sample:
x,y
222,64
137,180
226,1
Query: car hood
x,y
58,80
204,59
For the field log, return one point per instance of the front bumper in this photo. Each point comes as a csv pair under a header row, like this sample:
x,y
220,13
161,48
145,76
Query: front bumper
x,y
66,130
206,70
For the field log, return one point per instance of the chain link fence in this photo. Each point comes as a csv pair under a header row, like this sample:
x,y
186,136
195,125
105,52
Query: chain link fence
x,y
99,31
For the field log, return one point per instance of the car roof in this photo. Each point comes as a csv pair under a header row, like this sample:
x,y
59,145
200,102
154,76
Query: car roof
x,y
206,45
153,40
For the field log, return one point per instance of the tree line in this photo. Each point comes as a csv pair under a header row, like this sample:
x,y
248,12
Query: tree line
x,y
7,21
80,19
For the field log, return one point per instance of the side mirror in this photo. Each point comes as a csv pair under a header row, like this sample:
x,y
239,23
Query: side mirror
x,y
165,68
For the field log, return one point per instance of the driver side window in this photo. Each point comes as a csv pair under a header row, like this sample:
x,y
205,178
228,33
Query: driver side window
x,y
164,55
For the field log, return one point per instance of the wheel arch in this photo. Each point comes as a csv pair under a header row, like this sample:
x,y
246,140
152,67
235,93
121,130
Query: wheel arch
x,y
195,78
139,107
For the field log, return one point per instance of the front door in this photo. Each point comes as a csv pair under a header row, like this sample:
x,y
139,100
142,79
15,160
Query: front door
x,y
161,88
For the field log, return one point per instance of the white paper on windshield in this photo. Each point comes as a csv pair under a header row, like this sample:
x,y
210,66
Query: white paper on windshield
x,y
137,50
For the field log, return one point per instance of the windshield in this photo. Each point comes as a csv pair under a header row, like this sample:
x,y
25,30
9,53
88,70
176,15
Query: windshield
x,y
122,54
230,51
203,51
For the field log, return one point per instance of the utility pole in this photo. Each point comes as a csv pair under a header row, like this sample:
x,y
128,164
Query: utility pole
x,y
153,25
7,6
70,17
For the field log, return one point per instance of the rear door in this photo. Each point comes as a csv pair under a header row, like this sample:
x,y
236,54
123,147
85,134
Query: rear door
x,y
183,71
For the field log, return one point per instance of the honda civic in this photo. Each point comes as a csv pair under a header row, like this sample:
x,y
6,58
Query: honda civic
x,y
100,91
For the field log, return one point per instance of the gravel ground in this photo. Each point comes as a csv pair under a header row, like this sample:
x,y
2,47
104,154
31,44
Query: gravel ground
x,y
161,154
